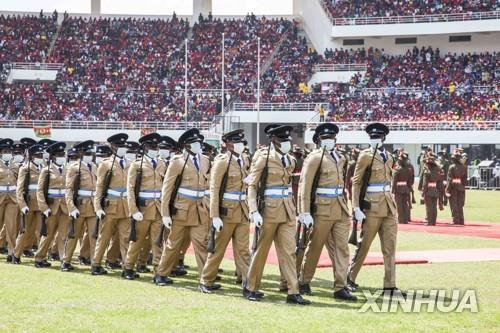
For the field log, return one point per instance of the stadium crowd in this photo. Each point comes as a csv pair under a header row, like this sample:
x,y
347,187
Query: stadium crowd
x,y
133,70
387,8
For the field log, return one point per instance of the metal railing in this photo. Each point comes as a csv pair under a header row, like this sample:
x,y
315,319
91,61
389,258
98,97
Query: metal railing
x,y
105,125
36,66
420,125
340,68
279,107
483,177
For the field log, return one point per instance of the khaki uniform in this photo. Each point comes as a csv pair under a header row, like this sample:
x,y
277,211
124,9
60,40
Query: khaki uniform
x,y
9,210
432,187
117,214
331,219
279,219
236,226
192,216
402,184
58,221
87,219
456,183
149,206
32,219
381,218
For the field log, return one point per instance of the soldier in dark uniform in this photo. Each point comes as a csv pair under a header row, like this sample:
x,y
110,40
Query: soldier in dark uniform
x,y
401,188
455,187
444,163
432,187
421,164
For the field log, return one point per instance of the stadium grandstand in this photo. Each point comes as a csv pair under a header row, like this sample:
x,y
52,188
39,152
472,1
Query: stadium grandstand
x,y
419,65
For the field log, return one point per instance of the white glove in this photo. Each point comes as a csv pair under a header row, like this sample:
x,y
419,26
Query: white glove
x,y
256,218
100,214
47,212
25,210
138,216
75,214
306,219
359,215
217,224
167,221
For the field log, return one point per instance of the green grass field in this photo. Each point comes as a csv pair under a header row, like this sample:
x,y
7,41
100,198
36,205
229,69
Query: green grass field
x,y
51,301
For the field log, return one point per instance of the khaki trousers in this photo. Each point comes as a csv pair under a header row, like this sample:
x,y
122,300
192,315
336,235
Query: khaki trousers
x,y
108,227
283,235
322,232
56,224
144,228
9,217
387,229
239,234
24,240
81,224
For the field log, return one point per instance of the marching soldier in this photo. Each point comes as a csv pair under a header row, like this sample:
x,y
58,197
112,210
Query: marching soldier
x,y
102,152
228,210
9,210
183,209
455,187
323,206
277,222
27,184
432,187
378,205
402,184
50,196
144,185
110,201
80,185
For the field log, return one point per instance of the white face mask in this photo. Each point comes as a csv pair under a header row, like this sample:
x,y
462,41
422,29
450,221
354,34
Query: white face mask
x,y
239,148
196,148
6,157
60,161
87,158
46,156
285,147
130,156
328,144
38,161
121,151
152,154
18,158
164,153
376,142
98,160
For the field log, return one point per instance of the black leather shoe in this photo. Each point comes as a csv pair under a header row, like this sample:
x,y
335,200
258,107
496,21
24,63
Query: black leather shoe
x,y
113,265
98,270
208,289
247,292
54,257
143,269
28,254
218,278
178,272
9,259
305,289
16,260
345,295
353,286
181,265
66,267
162,280
84,261
42,264
129,274
220,270
297,299
253,296
394,292
3,250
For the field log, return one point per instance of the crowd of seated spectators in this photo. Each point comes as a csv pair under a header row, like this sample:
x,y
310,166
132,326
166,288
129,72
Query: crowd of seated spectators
x,y
24,39
387,8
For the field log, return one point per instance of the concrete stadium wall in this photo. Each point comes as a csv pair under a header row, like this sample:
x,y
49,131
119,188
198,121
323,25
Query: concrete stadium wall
x,y
319,77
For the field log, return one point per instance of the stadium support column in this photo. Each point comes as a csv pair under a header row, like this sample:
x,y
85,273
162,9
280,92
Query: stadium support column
x,y
95,7
203,7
